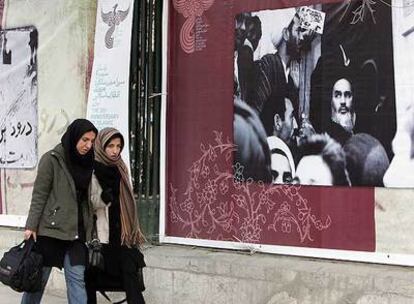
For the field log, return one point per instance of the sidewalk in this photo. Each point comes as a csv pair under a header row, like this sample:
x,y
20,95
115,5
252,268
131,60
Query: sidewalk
x,y
9,296
187,275
55,289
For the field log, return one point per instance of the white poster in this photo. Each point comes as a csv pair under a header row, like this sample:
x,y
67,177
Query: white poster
x,y
18,98
109,88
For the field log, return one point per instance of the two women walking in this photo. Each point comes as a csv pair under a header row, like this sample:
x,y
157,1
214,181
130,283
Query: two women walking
x,y
61,214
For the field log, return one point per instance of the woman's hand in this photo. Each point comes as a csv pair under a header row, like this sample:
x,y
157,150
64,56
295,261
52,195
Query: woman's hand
x,y
28,233
107,195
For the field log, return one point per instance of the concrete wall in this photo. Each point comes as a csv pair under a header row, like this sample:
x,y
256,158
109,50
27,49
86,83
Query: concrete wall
x,y
178,274
182,274
66,32
188,275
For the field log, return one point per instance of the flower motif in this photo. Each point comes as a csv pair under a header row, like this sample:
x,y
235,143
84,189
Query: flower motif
x,y
237,184
205,171
214,201
228,225
302,215
286,226
239,200
212,155
210,191
223,187
238,176
187,205
263,198
201,198
250,230
194,172
291,191
173,217
285,207
238,169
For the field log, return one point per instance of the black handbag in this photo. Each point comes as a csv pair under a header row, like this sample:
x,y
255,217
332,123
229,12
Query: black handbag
x,y
21,267
95,256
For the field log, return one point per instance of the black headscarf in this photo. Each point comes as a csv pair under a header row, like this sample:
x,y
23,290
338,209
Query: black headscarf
x,y
80,166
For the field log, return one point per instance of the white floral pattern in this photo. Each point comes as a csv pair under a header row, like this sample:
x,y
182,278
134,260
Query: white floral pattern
x,y
219,203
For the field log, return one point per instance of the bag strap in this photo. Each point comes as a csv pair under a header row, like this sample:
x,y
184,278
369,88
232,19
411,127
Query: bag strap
x,y
22,244
27,246
106,297
29,242
94,228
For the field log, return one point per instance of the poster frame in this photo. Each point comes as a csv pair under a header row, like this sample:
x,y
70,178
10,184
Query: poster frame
x,y
307,252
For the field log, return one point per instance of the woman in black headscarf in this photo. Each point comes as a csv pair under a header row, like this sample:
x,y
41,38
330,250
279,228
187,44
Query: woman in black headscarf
x,y
60,216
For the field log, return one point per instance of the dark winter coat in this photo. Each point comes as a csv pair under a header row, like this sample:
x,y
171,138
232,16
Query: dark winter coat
x,y
54,207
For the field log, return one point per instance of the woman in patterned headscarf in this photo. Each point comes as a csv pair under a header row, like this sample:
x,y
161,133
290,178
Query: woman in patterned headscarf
x,y
117,219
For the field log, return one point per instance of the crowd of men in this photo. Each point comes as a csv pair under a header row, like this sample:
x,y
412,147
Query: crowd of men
x,y
325,149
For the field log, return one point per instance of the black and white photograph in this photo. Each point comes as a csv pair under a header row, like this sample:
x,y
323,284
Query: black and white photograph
x,y
18,97
314,97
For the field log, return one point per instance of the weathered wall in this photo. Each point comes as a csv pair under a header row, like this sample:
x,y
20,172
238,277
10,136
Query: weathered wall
x,y
187,275
66,31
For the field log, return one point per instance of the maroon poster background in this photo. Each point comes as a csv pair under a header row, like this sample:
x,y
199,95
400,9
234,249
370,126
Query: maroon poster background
x,y
204,200
1,20
1,11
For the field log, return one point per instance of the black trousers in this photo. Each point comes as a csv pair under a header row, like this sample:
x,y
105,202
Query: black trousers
x,y
123,272
133,294
131,284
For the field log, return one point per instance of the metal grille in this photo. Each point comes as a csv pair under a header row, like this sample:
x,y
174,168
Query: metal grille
x,y
144,120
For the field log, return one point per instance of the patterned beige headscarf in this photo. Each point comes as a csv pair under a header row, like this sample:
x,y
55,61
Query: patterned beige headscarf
x,y
131,233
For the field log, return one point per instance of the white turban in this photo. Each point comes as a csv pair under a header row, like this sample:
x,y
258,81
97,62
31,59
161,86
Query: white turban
x,y
273,23
275,142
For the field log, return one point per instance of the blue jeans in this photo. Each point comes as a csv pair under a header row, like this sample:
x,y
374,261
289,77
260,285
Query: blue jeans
x,y
75,284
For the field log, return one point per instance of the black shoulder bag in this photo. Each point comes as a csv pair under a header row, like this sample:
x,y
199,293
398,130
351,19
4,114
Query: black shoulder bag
x,y
21,267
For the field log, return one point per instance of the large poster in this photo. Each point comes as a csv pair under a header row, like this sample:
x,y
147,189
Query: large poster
x,y
18,97
312,82
208,194
251,84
